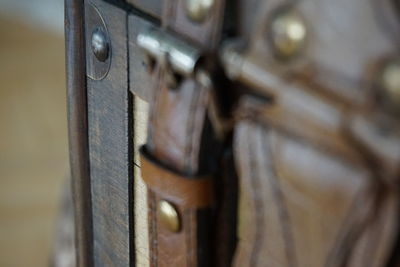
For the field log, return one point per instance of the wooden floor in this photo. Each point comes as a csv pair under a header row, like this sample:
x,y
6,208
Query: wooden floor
x,y
33,142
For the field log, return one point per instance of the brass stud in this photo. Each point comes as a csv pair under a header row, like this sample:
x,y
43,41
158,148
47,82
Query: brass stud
x,y
169,216
197,10
288,32
390,80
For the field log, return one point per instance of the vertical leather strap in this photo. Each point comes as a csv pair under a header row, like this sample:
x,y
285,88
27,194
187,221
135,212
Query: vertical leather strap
x,y
176,128
178,135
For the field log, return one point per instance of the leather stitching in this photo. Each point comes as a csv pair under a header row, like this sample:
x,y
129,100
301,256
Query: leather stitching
x,y
287,231
152,229
257,199
188,165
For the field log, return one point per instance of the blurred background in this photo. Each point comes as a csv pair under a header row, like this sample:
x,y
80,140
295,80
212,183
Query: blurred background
x,y
33,129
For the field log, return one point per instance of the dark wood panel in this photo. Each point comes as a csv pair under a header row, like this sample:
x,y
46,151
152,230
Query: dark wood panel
x,y
77,129
152,7
110,147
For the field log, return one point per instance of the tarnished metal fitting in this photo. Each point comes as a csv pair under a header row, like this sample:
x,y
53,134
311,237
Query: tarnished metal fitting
x,y
100,45
166,49
169,216
198,10
287,32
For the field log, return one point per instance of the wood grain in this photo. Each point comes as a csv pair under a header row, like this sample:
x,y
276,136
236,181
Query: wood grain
x,y
141,110
77,130
110,142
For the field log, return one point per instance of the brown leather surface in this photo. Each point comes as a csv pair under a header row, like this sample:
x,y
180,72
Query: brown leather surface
x,y
317,177
318,156
176,124
174,134
339,59
186,192
172,249
316,148
176,129
205,34
303,206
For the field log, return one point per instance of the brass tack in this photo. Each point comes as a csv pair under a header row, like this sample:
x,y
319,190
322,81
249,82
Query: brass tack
x,y
198,10
288,32
169,216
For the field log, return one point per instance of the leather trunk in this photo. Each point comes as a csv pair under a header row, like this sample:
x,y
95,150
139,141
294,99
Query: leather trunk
x,y
234,133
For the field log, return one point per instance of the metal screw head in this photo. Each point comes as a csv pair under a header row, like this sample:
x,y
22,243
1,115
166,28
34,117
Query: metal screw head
x,y
390,80
288,32
100,45
197,10
169,216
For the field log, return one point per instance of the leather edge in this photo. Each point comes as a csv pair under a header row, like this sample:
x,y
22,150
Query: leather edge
x,y
185,191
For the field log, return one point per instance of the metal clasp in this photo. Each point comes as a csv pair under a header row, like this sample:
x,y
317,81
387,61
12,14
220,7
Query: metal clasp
x,y
169,50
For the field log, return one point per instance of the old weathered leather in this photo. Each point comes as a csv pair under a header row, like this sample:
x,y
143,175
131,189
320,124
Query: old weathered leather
x,y
186,192
304,205
178,137
169,143
318,178
278,161
304,136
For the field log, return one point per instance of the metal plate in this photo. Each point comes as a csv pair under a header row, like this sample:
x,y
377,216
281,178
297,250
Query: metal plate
x,y
95,69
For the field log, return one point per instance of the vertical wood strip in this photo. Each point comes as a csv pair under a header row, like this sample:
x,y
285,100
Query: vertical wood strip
x,y
140,195
110,142
77,129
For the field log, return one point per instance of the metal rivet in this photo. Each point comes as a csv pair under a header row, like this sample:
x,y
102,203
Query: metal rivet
x,y
391,81
100,46
288,32
169,216
197,10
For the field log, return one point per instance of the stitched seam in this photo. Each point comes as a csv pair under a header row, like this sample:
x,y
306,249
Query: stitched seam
x,y
190,122
153,230
150,229
218,22
199,123
188,230
193,240
374,240
376,214
155,227
258,212
152,131
351,231
196,128
242,158
283,212
373,218
346,225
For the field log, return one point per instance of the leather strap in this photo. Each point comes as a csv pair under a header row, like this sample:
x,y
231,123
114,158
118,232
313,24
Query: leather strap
x,y
187,192
180,139
176,127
